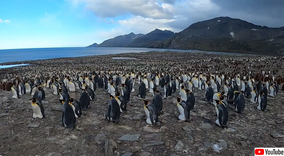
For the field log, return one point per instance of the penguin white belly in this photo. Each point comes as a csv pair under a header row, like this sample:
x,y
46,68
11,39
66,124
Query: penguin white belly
x,y
72,87
165,92
252,97
243,87
259,101
14,92
183,96
271,91
199,85
77,85
148,120
217,121
33,91
215,87
181,111
47,85
28,88
20,90
226,90
133,90
146,83
91,85
190,87
54,90
36,111
87,81
73,107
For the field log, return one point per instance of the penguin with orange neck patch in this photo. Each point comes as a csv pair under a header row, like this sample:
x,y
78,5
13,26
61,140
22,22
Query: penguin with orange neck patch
x,y
114,110
38,110
68,115
151,113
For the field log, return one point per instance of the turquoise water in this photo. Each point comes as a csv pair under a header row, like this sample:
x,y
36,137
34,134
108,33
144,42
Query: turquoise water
x,y
13,55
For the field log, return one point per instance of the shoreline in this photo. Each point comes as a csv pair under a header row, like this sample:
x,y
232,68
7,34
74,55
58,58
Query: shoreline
x,y
236,53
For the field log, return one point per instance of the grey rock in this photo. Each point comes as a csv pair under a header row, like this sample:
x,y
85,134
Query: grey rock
x,y
138,117
57,108
145,154
187,128
207,144
129,137
4,114
109,147
221,146
50,139
276,135
174,154
100,138
127,154
179,146
153,143
33,125
205,126
53,154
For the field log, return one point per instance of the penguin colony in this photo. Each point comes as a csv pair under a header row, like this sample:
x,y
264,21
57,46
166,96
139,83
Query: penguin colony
x,y
227,84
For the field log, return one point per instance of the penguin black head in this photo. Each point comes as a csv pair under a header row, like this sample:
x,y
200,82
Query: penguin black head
x,y
178,99
61,101
145,102
117,94
71,100
33,100
187,90
110,96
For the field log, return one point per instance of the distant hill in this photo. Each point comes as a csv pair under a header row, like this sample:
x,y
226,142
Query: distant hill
x,y
93,45
227,34
151,38
120,41
217,34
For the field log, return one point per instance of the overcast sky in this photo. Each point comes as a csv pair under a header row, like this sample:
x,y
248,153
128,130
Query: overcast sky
x,y
73,23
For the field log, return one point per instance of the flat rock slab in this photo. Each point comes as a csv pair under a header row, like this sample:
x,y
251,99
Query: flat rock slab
x,y
127,154
4,114
277,135
153,143
33,125
129,137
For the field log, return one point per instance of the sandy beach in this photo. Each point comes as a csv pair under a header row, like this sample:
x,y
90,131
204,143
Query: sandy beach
x,y
20,134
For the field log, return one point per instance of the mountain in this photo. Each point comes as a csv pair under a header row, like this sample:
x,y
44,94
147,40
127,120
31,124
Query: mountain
x,y
93,45
227,34
151,38
120,41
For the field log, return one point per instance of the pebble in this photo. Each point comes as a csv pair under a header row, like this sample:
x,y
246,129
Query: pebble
x,y
179,146
33,125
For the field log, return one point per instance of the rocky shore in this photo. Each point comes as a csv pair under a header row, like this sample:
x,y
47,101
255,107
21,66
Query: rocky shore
x,y
20,134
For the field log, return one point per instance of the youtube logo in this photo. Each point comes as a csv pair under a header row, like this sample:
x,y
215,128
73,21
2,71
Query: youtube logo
x,y
259,151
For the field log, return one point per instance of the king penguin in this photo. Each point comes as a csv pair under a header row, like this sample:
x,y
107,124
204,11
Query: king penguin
x,y
239,101
151,113
113,112
84,100
68,116
158,102
183,110
38,110
222,118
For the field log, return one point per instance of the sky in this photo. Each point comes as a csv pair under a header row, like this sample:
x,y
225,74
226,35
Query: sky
x,y
79,23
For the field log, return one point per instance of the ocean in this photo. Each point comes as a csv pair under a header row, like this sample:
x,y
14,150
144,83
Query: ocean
x,y
14,55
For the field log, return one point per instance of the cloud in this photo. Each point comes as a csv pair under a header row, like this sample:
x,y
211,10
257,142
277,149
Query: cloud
x,y
143,16
4,21
113,8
